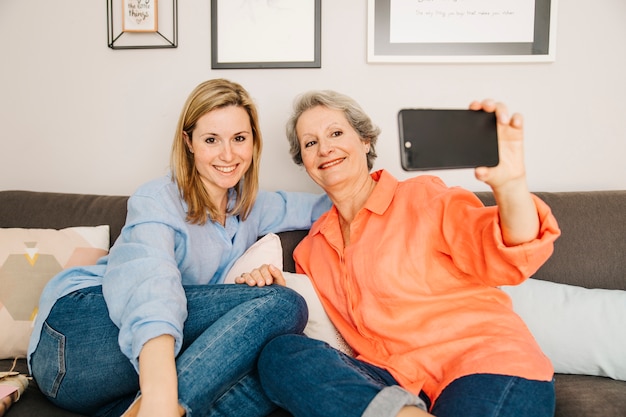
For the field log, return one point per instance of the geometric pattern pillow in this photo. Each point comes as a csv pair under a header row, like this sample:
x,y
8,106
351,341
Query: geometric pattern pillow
x,y
29,258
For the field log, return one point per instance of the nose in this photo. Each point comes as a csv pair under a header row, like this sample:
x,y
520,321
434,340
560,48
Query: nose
x,y
325,147
227,152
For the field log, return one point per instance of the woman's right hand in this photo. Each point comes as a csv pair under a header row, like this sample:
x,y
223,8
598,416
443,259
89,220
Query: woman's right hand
x,y
261,276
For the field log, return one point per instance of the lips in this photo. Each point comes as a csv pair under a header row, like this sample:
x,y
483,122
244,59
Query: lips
x,y
331,163
226,170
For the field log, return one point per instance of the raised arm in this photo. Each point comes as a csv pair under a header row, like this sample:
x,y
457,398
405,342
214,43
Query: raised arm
x,y
519,220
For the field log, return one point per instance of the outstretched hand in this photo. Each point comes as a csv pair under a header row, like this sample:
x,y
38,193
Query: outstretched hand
x,y
261,276
519,221
511,169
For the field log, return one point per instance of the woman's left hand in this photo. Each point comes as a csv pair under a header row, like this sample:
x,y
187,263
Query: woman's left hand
x,y
510,170
261,276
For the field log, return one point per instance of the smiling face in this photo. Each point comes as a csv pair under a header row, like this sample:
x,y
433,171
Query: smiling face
x,y
222,144
333,153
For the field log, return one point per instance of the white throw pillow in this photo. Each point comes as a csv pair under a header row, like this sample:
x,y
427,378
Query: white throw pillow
x,y
582,331
268,250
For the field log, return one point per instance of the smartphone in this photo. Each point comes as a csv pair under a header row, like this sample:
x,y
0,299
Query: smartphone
x,y
447,139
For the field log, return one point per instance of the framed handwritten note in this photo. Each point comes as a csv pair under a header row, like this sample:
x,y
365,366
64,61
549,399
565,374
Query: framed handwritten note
x,y
142,24
461,30
139,16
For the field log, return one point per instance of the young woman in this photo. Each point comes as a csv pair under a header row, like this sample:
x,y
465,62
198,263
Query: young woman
x,y
152,316
407,271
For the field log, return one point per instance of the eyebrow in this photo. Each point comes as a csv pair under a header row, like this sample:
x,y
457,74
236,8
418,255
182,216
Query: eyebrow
x,y
218,135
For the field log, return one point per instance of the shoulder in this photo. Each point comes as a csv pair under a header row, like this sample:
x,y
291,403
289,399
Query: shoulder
x,y
425,181
423,187
162,192
157,187
294,198
264,199
431,191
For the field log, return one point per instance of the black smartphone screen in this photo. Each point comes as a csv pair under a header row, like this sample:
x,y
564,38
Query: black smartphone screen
x,y
447,139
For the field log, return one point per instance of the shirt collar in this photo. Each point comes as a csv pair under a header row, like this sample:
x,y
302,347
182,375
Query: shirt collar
x,y
383,193
378,202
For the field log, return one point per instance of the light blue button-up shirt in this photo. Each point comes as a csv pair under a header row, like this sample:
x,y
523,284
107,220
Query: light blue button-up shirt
x,y
158,252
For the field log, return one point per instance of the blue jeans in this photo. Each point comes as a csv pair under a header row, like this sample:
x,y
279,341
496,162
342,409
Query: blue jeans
x,y
311,379
496,395
78,364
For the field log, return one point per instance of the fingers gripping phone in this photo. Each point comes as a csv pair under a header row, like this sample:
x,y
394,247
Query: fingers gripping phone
x,y
447,139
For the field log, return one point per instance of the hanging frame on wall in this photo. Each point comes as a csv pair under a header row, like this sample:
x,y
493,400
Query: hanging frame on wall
x,y
440,31
142,24
280,34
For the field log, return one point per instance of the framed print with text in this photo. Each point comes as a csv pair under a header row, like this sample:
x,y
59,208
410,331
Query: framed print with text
x,y
142,24
264,34
461,31
139,16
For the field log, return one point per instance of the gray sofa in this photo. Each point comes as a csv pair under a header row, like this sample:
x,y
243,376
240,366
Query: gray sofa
x,y
590,253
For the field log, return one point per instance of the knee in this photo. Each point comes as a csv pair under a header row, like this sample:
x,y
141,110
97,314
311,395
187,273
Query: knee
x,y
291,351
290,307
276,357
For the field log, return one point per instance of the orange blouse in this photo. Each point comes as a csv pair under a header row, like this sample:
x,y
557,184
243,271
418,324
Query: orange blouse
x,y
415,291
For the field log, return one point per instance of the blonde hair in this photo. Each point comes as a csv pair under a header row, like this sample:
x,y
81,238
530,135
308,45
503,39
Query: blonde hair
x,y
208,96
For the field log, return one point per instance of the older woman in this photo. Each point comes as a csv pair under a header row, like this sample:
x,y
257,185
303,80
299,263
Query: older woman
x,y
408,273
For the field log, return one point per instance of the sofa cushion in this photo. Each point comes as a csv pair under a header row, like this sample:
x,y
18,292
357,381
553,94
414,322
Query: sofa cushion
x,y
582,395
29,258
582,331
268,250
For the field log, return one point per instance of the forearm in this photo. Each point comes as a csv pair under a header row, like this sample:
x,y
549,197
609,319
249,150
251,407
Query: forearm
x,y
519,220
157,377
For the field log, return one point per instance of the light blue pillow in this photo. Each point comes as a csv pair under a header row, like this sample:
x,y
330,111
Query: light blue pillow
x,y
582,331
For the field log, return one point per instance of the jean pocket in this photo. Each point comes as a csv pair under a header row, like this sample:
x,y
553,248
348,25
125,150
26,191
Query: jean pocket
x,y
48,361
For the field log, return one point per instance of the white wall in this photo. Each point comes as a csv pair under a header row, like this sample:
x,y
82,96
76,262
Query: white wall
x,y
77,116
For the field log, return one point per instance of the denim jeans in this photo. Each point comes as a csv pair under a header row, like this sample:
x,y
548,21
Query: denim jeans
x,y
78,364
496,395
311,379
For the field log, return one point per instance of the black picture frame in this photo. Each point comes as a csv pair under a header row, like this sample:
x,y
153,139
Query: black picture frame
x,y
165,36
381,50
248,46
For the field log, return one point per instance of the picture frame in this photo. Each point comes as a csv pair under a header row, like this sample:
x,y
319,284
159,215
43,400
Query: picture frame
x,y
444,31
259,34
140,16
158,30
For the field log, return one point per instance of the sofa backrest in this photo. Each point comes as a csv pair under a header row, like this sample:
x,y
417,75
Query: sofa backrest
x,y
591,249
44,210
589,253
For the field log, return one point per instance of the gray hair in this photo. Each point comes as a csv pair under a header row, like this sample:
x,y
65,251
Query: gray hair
x,y
353,112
